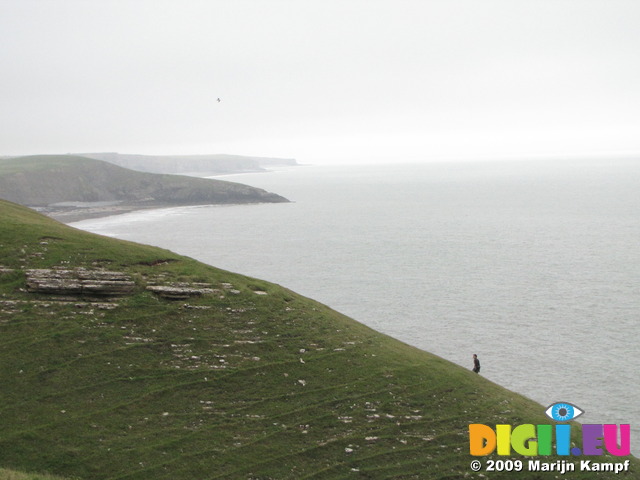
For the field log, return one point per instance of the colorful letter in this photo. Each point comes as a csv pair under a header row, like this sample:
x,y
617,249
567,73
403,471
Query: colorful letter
x,y
611,440
523,440
503,434
544,439
592,439
482,439
563,438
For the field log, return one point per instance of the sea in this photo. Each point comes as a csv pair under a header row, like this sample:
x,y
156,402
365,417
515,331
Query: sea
x,y
534,265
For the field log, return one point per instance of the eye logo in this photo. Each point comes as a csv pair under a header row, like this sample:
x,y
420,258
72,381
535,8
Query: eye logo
x,y
563,412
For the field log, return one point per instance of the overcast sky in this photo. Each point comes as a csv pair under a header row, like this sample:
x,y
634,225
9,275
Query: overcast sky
x,y
321,80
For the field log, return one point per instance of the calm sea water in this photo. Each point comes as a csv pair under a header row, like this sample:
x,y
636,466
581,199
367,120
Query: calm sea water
x,y
533,265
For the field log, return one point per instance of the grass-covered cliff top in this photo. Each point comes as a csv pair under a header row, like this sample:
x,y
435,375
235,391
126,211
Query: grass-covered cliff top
x,y
246,381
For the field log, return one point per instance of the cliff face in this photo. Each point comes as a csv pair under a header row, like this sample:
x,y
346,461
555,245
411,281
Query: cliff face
x,y
47,180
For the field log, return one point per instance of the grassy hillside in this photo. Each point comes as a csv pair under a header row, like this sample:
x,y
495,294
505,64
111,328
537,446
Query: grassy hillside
x,y
248,381
49,179
14,475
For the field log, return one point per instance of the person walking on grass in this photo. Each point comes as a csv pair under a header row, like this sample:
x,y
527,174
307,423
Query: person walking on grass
x,y
476,363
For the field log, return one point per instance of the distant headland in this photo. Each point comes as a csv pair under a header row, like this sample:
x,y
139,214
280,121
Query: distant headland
x,y
214,164
72,187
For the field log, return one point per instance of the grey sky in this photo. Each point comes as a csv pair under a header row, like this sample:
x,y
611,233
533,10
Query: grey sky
x,y
323,80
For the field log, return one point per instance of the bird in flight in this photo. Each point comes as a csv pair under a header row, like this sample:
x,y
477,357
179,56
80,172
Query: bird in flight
x,y
218,99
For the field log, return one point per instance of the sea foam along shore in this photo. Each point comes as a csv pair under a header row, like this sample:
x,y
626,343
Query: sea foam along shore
x,y
76,213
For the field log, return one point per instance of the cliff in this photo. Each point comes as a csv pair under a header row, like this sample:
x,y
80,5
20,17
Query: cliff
x,y
233,378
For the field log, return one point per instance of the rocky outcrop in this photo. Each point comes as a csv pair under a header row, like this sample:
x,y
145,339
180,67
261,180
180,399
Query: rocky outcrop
x,y
79,281
181,291
103,283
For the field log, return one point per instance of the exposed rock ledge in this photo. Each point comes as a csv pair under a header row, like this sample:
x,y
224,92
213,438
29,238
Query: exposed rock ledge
x,y
103,283
181,291
79,281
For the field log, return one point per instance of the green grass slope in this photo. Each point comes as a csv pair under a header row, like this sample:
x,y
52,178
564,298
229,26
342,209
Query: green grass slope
x,y
14,475
251,381
48,179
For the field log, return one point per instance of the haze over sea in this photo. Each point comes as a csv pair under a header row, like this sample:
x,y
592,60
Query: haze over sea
x,y
533,265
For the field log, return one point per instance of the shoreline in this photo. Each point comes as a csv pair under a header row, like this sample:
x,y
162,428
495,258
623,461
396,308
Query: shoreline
x,y
72,214
69,215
